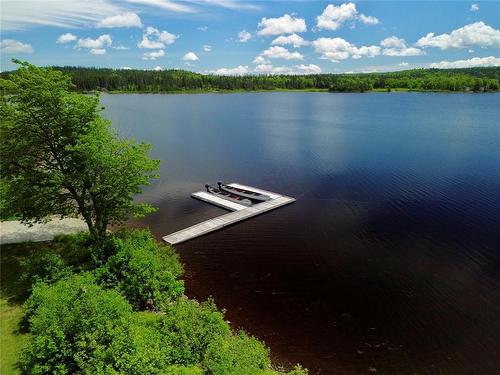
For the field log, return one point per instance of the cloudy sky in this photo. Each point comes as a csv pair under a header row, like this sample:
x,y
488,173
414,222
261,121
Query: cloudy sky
x,y
251,37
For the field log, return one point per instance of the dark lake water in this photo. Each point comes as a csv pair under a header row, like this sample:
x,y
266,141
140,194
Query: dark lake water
x,y
389,259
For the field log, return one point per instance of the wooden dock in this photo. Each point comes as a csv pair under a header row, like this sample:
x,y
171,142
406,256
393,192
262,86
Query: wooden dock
x,y
219,202
240,213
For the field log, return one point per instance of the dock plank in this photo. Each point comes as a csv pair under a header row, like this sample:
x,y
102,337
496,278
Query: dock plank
x,y
238,214
223,203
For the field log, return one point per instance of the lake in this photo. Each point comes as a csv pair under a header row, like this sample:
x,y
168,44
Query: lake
x,y
390,258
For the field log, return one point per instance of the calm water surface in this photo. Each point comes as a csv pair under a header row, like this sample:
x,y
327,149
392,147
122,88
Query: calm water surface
x,y
389,259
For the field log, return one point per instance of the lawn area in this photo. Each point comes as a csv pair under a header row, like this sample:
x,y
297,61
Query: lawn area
x,y
11,341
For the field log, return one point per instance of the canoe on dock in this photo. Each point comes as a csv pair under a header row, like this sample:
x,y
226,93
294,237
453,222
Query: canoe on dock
x,y
249,194
228,196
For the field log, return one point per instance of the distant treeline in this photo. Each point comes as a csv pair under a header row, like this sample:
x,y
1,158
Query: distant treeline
x,y
469,79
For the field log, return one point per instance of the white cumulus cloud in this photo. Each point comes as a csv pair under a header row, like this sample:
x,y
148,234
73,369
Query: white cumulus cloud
x,y
98,43
270,69
237,71
334,17
158,68
190,56
403,63
368,20
128,19
308,69
475,34
394,46
287,70
156,39
66,38
244,36
281,25
293,39
207,48
15,46
278,52
475,61
95,46
153,55
474,8
260,60
337,49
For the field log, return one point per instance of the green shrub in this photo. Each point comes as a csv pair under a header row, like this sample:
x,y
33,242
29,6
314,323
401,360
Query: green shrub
x,y
143,270
147,351
46,267
188,328
73,325
76,249
237,354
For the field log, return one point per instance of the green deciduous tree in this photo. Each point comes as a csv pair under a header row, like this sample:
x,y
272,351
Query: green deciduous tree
x,y
58,156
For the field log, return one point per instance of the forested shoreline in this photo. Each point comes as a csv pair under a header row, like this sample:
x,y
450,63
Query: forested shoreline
x,y
485,79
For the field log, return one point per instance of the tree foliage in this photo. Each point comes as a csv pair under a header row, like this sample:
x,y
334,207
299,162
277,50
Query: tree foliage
x,y
58,156
74,324
42,267
145,272
469,79
190,327
238,354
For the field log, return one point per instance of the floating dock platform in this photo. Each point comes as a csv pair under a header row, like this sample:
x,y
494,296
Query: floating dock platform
x,y
239,213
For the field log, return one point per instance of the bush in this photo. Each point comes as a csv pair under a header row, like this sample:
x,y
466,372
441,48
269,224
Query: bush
x,y
147,351
73,325
76,249
188,328
237,354
45,267
143,270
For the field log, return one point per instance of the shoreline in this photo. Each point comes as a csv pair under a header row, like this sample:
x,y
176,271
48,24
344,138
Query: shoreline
x,y
377,91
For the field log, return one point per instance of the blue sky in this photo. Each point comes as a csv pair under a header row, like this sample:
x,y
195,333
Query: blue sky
x,y
251,37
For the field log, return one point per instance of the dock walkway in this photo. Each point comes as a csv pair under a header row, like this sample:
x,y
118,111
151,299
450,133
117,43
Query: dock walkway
x,y
225,220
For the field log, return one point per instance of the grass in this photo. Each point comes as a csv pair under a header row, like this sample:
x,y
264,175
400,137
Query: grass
x,y
13,293
12,296
11,340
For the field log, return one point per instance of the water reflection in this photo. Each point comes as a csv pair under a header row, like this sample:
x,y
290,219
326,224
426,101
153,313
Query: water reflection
x,y
389,259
